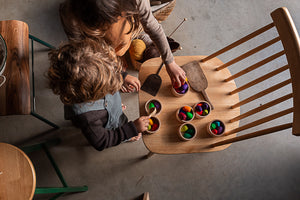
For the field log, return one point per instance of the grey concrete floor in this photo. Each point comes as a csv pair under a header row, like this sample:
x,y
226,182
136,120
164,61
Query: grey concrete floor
x,y
262,168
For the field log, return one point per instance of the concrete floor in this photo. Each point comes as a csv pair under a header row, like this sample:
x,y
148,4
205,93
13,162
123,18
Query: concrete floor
x,y
262,168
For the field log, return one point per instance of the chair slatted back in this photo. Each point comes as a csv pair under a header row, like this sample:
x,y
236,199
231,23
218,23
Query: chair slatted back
x,y
289,38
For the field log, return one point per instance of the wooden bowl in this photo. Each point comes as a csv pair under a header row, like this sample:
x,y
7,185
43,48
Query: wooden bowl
x,y
155,121
214,125
157,105
180,110
199,111
176,94
187,132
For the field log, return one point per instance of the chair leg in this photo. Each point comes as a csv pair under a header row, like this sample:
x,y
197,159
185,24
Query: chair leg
x,y
44,120
61,190
33,113
50,190
35,147
149,154
41,42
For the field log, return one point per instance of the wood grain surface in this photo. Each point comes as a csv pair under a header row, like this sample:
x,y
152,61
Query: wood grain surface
x,y
17,175
166,141
15,93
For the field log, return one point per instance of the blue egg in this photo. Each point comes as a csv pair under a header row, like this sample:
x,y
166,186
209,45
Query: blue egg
x,y
198,108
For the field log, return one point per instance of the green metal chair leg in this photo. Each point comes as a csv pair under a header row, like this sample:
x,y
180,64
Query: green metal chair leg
x,y
33,38
41,41
44,120
36,147
60,190
49,190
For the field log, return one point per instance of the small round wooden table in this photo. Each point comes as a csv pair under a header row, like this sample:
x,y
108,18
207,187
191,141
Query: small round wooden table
x,y
166,141
17,175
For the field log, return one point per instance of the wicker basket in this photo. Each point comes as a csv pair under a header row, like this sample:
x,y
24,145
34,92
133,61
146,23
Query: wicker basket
x,y
163,13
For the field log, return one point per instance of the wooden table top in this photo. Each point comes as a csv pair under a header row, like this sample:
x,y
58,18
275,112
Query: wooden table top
x,y
17,175
166,140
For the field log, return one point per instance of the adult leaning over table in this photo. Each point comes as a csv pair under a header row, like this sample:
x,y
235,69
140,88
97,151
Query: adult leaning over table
x,y
107,19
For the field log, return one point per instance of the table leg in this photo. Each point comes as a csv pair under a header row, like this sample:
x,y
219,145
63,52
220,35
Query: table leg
x,y
149,154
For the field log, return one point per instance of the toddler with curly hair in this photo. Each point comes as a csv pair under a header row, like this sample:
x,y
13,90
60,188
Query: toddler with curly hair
x,y
87,77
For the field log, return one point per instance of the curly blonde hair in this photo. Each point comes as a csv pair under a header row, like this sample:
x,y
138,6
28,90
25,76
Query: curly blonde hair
x,y
84,71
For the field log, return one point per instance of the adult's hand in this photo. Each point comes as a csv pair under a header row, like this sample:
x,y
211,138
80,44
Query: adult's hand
x,y
176,73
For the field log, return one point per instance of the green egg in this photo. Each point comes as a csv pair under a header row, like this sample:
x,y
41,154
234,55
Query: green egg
x,y
186,135
151,105
189,115
191,131
213,126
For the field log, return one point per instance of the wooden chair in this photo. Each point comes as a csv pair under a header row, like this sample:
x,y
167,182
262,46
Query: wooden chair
x,y
15,94
225,95
17,173
288,36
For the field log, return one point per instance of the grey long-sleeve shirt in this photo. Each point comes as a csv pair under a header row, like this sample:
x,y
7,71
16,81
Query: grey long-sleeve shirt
x,y
154,30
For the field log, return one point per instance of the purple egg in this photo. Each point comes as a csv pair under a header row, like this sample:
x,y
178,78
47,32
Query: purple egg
x,y
182,91
184,86
157,105
204,106
220,130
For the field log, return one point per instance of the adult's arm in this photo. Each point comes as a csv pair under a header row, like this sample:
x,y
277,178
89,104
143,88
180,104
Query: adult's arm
x,y
154,30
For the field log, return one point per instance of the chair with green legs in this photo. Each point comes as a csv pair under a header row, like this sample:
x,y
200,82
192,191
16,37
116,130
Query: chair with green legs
x,y
16,96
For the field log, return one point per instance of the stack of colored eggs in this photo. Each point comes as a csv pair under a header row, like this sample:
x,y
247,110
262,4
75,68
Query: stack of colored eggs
x,y
216,128
185,113
187,131
153,125
153,104
202,109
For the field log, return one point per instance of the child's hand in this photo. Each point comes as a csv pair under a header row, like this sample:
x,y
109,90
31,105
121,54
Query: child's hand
x,y
142,123
131,83
135,138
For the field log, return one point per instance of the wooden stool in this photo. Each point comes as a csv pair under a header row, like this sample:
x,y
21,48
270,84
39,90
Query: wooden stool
x,y
17,173
15,93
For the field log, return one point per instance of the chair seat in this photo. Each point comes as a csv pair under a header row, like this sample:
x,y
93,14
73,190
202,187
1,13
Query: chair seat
x,y
15,93
17,175
166,141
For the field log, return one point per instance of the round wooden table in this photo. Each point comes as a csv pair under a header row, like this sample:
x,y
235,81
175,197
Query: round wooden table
x,y
17,175
166,141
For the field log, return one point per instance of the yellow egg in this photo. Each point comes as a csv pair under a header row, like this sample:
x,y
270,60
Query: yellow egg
x,y
151,122
136,49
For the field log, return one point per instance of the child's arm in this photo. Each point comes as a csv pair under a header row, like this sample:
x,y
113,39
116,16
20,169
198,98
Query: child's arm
x,y
92,125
